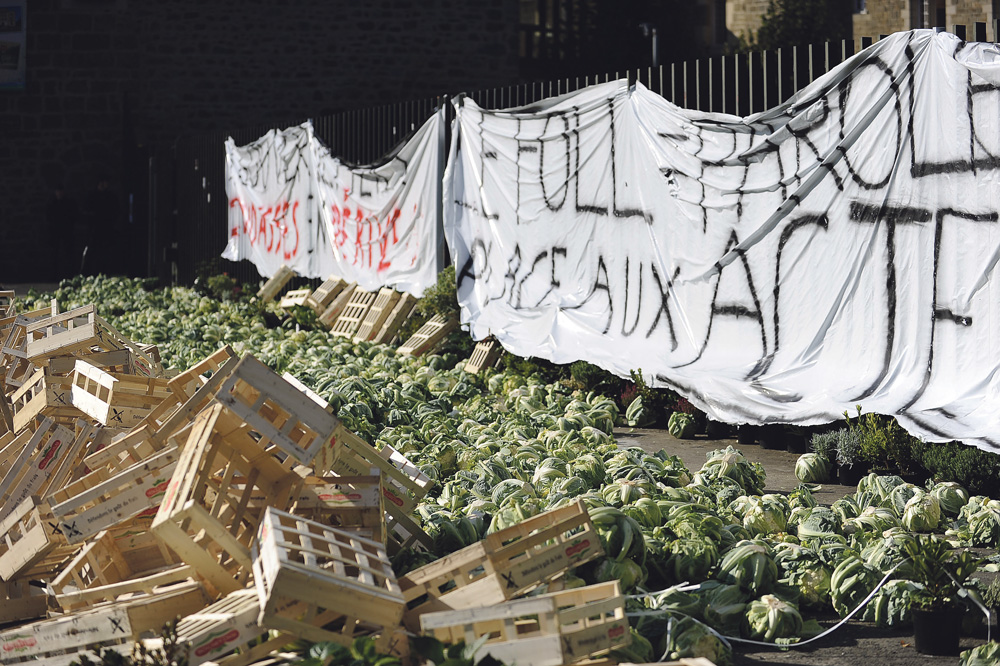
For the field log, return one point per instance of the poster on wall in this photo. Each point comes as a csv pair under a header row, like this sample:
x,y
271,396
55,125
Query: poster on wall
x,y
841,249
292,202
13,41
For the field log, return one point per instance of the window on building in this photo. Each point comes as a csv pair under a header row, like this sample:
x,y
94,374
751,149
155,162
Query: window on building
x,y
860,6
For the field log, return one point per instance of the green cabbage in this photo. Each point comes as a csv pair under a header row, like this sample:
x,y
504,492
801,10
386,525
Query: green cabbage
x,y
987,654
770,618
749,564
682,425
922,512
952,498
687,638
766,515
812,468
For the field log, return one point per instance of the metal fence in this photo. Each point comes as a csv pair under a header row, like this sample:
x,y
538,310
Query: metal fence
x,y
189,207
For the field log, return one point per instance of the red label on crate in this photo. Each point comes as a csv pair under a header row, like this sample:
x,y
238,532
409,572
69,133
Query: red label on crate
x,y
340,497
615,632
159,489
216,641
50,453
19,643
391,497
578,547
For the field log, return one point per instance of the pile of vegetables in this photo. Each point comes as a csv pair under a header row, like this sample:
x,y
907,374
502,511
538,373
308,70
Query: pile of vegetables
x,y
718,555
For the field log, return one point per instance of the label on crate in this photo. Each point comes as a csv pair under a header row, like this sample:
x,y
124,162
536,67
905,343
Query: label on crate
x,y
597,638
76,631
51,450
551,561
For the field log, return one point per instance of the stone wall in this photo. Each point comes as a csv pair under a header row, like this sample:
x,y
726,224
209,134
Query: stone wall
x,y
110,81
743,17
883,17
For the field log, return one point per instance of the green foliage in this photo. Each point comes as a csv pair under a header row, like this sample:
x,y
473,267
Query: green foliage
x,y
794,22
590,377
440,299
545,371
940,570
361,653
458,654
976,470
883,442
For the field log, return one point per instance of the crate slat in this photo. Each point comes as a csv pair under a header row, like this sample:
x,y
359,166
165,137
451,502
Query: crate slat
x,y
354,313
548,630
275,283
352,503
20,602
429,335
485,355
31,545
117,400
346,580
44,395
379,311
325,294
337,305
294,297
30,471
400,313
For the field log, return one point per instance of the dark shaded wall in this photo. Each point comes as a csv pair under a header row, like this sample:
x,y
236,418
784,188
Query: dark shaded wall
x,y
111,83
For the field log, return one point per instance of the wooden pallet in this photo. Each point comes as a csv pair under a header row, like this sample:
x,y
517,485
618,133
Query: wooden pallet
x,y
81,332
350,319
270,289
60,640
103,499
44,394
277,410
346,580
116,400
105,569
548,630
379,311
325,294
428,336
42,457
486,355
400,313
206,517
337,305
352,503
31,546
294,297
506,564
20,602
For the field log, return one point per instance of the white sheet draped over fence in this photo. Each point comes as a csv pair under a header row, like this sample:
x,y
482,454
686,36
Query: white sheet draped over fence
x,y
840,249
291,202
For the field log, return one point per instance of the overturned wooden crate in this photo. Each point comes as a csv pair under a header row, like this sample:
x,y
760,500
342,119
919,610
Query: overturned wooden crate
x,y
61,640
277,410
320,300
294,297
102,499
345,580
14,362
31,545
20,602
44,394
116,400
377,314
6,413
485,355
337,305
207,517
429,336
37,460
120,361
350,319
397,317
186,383
504,565
270,289
548,630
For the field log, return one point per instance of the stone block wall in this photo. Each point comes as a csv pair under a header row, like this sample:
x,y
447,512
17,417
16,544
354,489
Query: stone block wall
x,y
110,81
743,17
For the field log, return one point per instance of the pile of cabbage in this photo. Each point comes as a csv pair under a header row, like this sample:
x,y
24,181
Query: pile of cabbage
x,y
705,552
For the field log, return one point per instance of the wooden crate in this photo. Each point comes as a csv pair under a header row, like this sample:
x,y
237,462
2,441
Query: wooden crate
x,y
277,410
125,449
186,383
105,569
429,336
379,311
31,545
400,313
294,297
325,294
403,484
337,305
20,602
13,355
504,565
6,414
44,395
485,355
7,297
60,640
346,580
119,361
38,455
548,630
352,503
270,289
116,400
350,319
81,332
206,517
103,499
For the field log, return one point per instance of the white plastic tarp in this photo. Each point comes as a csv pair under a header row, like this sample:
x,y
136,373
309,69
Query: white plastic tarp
x,y
838,250
292,202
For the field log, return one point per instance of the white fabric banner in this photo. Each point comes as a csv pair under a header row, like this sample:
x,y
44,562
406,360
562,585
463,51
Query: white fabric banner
x,y
838,250
291,202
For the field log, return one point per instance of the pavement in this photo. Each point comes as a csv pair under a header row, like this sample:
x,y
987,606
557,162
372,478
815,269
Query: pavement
x,y
779,465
